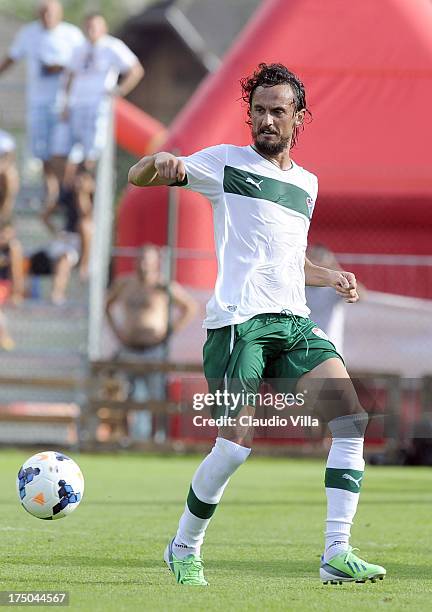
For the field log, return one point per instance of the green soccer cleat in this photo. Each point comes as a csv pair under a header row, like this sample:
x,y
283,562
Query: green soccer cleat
x,y
187,571
347,567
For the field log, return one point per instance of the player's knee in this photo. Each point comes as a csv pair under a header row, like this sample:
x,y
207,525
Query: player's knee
x,y
351,405
344,403
233,452
349,425
237,434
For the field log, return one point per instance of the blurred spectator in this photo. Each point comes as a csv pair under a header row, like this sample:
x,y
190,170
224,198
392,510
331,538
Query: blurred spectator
x,y
11,277
146,324
47,45
327,308
145,301
94,72
9,182
78,212
62,254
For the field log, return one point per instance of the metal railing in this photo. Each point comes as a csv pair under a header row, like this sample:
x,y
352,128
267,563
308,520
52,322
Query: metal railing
x,y
100,254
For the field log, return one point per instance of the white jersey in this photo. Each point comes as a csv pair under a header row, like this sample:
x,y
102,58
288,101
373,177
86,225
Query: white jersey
x,y
96,69
261,220
43,48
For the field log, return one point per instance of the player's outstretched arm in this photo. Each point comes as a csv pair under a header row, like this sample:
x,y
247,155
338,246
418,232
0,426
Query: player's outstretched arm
x,y
344,283
157,169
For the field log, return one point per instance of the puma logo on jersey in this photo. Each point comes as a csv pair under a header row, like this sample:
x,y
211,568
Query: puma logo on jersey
x,y
356,480
257,184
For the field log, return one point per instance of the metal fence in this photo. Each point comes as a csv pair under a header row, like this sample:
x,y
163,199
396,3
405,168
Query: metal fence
x,y
43,381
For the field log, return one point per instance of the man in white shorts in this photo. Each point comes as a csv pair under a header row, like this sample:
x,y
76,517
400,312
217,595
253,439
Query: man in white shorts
x,y
47,45
94,71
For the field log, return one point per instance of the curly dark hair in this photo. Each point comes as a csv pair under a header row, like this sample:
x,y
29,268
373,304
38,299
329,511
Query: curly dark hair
x,y
268,75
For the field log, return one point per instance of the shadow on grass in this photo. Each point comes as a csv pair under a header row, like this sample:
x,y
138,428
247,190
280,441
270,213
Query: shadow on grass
x,y
268,568
94,562
365,501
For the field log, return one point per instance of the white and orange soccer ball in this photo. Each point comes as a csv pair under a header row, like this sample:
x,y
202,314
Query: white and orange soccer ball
x,y
50,485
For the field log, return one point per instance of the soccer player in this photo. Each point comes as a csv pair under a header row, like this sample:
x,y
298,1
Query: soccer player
x,y
257,319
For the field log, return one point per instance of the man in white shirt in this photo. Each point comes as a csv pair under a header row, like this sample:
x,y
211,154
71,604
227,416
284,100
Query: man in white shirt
x,y
94,71
47,45
258,322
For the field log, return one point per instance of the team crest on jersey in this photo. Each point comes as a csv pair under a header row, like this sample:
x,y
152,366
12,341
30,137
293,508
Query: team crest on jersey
x,y
310,205
319,332
232,307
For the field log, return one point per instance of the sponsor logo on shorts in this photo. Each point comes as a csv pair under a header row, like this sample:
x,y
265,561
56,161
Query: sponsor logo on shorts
x,y
319,332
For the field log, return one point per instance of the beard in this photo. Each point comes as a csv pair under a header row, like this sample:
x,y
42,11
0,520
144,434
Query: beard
x,y
266,147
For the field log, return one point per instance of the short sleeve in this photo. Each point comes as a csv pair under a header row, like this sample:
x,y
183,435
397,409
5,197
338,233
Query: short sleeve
x,y
123,57
20,44
77,45
77,38
204,171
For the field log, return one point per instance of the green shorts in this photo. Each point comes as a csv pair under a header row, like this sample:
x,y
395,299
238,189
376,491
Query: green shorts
x,y
275,347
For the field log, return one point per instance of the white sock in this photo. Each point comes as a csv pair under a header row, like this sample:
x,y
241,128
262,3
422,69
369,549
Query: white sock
x,y
208,485
344,475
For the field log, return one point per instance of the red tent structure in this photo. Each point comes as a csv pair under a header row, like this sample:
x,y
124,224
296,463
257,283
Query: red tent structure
x,y
136,131
367,68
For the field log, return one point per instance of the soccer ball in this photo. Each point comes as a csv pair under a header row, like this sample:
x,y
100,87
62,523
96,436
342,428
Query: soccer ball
x,y
50,485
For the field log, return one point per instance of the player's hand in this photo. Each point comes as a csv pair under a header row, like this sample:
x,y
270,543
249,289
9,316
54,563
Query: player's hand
x,y
345,284
168,166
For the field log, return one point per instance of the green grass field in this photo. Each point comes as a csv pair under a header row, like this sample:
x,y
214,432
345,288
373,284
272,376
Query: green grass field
x,y
262,550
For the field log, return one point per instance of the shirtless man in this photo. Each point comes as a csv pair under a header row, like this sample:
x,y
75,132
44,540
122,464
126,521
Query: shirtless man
x,y
145,301
145,328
